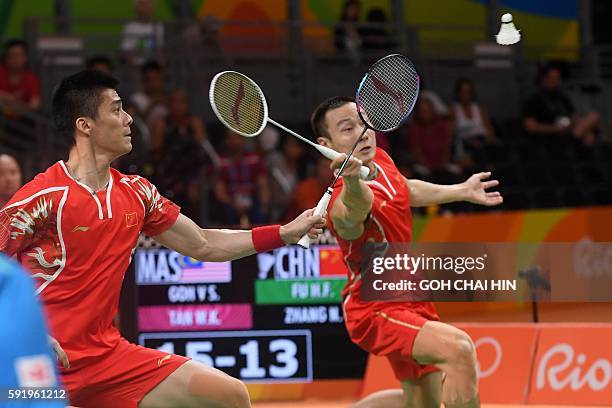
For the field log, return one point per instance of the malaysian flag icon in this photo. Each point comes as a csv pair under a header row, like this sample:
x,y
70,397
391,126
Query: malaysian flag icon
x,y
194,271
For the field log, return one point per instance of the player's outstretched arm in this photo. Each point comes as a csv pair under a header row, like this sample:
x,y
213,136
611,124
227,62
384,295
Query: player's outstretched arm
x,y
350,210
472,190
218,245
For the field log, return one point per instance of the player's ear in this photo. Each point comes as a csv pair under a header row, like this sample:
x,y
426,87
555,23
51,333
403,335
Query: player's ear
x,y
325,141
82,125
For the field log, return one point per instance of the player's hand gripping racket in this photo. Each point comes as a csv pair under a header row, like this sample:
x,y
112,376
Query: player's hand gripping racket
x,y
385,97
241,106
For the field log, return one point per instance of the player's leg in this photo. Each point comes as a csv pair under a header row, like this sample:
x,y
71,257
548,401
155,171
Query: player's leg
x,y
423,392
392,398
453,352
196,385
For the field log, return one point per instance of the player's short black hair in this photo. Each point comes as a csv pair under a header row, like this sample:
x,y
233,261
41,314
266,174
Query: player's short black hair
x,y
79,95
317,119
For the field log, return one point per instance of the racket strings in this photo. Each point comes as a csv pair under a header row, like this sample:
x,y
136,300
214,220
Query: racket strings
x,y
388,93
239,103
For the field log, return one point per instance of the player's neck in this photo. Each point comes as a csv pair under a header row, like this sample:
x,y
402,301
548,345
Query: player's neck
x,y
89,168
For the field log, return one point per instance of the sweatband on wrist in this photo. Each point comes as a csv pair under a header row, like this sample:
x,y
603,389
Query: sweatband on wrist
x,y
267,238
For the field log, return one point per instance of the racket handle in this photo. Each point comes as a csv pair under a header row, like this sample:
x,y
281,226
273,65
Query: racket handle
x,y
320,209
331,154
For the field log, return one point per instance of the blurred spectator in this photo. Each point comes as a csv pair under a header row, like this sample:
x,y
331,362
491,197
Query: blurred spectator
x,y
181,160
430,140
347,36
285,169
550,111
19,87
143,36
150,103
376,35
100,63
473,128
204,37
242,187
10,178
439,105
382,141
308,192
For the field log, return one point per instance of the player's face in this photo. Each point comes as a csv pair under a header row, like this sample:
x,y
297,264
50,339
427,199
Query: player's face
x,y
110,131
344,127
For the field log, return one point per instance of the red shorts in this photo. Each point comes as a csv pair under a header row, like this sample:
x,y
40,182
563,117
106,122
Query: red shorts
x,y
121,378
389,329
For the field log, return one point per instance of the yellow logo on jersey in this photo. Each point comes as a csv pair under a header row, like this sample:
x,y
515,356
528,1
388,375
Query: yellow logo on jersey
x,y
161,360
80,228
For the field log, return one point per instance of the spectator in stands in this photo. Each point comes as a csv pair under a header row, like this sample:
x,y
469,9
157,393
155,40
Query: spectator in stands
x,y
347,35
440,107
19,87
242,187
180,159
10,178
473,129
142,36
431,141
100,63
204,37
150,102
285,169
308,192
550,111
376,36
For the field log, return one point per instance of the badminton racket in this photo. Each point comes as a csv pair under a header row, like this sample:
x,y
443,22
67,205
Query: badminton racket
x,y
385,97
241,106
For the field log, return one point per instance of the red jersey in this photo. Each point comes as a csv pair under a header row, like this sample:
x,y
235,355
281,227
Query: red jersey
x,y
77,245
390,220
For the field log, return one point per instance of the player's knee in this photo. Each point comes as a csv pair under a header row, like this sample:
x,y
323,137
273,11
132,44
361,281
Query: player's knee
x,y
226,392
238,394
462,353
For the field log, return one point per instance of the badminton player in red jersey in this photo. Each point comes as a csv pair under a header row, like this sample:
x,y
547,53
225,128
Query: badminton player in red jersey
x,y
419,348
75,227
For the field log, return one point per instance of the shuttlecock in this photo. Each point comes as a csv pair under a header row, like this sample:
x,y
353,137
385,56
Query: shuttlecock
x,y
508,34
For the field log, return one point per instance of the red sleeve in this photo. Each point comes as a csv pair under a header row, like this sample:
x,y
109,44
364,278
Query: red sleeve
x,y
30,216
160,213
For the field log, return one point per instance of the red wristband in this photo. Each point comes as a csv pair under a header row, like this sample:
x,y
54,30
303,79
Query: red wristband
x,y
267,238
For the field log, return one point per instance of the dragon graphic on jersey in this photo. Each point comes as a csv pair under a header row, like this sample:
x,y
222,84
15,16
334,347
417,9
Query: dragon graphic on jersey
x,y
24,222
152,196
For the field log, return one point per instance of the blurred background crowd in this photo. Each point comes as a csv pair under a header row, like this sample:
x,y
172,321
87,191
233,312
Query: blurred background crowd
x,y
536,114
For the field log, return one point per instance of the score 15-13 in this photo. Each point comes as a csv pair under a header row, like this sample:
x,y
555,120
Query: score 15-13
x,y
284,364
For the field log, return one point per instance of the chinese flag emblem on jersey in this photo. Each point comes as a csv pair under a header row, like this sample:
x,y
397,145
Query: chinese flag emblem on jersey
x,y
131,220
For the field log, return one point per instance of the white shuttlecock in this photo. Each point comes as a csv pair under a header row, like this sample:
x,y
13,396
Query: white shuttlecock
x,y
508,34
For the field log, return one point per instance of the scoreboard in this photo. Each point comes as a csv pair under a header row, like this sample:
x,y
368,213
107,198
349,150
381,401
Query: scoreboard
x,y
270,317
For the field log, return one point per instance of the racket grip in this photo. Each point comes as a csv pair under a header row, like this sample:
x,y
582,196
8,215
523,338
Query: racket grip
x,y
320,209
331,154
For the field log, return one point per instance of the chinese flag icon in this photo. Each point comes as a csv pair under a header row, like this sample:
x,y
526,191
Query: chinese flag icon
x,y
332,262
131,220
